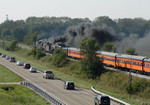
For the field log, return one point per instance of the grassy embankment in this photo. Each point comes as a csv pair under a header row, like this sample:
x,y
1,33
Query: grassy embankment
x,y
8,76
19,95
111,83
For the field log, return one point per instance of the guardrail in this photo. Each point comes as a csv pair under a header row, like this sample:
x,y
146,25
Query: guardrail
x,y
111,98
41,92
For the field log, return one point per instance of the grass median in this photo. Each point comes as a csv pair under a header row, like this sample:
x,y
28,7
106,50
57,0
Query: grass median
x,y
19,95
8,76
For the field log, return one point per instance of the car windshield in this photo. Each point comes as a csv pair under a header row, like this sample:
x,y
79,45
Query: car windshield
x,y
49,72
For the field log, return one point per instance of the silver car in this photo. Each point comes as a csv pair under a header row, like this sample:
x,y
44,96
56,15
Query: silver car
x,y
19,63
32,69
48,74
7,57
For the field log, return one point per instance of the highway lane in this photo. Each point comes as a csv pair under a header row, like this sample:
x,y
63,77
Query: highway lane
x,y
52,87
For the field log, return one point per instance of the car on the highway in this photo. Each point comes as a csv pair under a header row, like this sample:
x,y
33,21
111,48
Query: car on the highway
x,y
102,100
3,55
48,74
69,85
27,66
19,63
7,57
12,59
32,69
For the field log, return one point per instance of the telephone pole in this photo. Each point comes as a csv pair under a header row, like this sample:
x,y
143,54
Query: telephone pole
x,y
130,84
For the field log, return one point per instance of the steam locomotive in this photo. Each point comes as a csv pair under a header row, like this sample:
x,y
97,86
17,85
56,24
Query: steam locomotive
x,y
139,64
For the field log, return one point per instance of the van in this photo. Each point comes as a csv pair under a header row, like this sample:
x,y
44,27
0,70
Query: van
x,y
102,100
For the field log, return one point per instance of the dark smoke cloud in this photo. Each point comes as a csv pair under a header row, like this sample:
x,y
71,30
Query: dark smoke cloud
x,y
77,33
140,44
126,42
143,45
102,34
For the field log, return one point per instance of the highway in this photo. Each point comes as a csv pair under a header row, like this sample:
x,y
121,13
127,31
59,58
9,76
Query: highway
x,y
53,87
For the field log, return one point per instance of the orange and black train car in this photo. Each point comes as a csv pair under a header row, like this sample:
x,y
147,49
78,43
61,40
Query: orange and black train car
x,y
139,64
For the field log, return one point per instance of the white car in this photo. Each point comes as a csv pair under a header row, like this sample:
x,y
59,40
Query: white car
x,y
32,69
19,63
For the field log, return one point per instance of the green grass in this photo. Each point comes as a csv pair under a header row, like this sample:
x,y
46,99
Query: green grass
x,y
8,76
111,83
19,95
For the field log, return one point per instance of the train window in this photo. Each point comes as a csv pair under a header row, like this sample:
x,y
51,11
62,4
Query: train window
x,y
109,59
147,65
139,64
100,57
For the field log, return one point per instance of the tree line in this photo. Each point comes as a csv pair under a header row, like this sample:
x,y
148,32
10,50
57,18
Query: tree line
x,y
35,28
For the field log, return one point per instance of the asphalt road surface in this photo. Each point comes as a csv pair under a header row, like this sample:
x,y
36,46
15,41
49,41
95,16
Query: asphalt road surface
x,y
53,87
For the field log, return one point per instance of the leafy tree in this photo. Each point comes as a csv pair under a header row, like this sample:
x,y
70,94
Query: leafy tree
x,y
18,34
90,64
130,51
136,26
60,58
101,20
5,34
32,52
40,54
30,38
13,45
109,46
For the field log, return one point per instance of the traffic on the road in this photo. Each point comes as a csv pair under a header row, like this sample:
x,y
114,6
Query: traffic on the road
x,y
54,87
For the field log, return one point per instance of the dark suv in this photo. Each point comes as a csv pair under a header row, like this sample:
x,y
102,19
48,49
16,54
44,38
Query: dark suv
x,y
69,85
27,66
102,100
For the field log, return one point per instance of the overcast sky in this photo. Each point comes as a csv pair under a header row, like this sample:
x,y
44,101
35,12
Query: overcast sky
x,y
22,9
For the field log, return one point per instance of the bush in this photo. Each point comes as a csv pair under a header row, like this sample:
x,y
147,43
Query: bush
x,y
40,54
137,86
37,53
60,58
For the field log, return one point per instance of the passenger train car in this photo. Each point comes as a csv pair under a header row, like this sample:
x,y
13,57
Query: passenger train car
x,y
138,64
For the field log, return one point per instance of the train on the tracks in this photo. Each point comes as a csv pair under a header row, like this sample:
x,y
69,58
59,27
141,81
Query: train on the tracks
x,y
139,64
